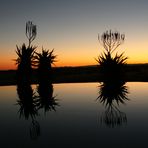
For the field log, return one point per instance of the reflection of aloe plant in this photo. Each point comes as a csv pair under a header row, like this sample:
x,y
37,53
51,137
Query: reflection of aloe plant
x,y
111,95
34,130
110,92
46,99
113,117
26,101
28,109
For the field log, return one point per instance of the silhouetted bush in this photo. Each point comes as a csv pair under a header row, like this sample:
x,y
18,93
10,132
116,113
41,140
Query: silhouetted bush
x,y
44,63
24,61
112,68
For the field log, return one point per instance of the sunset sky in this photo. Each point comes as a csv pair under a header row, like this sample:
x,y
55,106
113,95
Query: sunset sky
x,y
71,27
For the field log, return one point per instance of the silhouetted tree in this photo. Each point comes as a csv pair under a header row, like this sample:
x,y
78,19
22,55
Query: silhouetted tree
x,y
111,66
44,63
24,61
26,54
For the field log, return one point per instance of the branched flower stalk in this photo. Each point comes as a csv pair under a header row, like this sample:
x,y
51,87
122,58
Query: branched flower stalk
x,y
111,40
31,32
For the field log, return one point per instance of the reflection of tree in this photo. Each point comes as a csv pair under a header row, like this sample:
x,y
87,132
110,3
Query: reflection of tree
x,y
46,99
111,94
27,102
34,129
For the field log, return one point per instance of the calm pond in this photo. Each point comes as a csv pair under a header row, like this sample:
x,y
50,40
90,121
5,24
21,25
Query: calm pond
x,y
75,115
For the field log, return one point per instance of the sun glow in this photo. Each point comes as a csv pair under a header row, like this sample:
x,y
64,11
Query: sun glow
x,y
82,55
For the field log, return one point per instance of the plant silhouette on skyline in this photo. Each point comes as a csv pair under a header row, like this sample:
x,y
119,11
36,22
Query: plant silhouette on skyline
x,y
25,53
111,66
44,62
25,60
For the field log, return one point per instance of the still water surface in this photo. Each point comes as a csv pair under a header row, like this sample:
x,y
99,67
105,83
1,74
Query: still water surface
x,y
77,118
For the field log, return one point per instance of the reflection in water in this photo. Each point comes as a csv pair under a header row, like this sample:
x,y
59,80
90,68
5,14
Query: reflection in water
x,y
34,129
111,94
27,102
46,99
76,119
30,103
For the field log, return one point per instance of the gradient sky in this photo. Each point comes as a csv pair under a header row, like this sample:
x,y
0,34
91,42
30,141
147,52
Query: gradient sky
x,y
71,27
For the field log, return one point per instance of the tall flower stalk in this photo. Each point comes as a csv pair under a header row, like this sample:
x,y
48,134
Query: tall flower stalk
x,y
31,32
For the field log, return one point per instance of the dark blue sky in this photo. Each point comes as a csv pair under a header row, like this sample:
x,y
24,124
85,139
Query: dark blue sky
x,y
72,26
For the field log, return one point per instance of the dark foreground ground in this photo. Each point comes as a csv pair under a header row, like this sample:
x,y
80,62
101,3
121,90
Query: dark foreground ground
x,y
133,72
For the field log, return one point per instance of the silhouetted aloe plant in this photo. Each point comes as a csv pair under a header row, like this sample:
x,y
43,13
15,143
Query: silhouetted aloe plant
x,y
44,63
24,60
111,95
26,54
111,66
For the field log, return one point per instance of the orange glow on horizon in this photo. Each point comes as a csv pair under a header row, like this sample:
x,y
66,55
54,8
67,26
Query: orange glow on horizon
x,y
83,56
12,66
